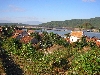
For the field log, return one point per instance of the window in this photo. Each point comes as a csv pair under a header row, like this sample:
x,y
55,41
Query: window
x,y
72,39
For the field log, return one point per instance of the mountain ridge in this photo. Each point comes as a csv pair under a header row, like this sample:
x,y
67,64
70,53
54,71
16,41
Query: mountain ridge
x,y
73,23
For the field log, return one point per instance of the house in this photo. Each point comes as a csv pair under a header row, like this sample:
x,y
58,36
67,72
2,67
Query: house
x,y
95,30
26,39
67,39
98,43
75,36
18,34
30,31
92,39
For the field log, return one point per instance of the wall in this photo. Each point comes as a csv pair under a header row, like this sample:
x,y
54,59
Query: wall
x,y
73,39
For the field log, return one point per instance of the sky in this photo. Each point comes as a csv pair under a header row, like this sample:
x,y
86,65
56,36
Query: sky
x,y
18,11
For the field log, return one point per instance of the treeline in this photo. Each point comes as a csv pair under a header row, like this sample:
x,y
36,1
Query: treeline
x,y
73,23
10,24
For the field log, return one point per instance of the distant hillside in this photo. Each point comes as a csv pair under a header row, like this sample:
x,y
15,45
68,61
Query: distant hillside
x,y
32,22
73,23
5,22
18,24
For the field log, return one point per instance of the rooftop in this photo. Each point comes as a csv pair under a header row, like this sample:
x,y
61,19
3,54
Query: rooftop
x,y
76,33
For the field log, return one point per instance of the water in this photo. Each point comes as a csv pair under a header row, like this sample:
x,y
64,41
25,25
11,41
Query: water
x,y
62,32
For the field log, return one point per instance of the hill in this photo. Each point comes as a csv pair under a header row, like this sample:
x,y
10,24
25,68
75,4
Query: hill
x,y
4,22
73,23
32,22
9,24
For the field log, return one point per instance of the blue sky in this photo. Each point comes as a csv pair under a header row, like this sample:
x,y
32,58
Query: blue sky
x,y
48,10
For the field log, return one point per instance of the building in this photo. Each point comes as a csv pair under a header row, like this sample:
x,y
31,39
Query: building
x,y
97,42
30,31
75,36
18,34
26,39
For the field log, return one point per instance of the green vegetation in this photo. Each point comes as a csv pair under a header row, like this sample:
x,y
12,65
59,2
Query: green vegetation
x,y
79,58
95,22
86,63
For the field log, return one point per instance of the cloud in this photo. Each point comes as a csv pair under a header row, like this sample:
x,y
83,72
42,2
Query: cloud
x,y
13,8
88,0
16,8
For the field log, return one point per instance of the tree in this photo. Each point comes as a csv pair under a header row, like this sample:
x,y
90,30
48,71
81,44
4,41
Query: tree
x,y
87,25
67,35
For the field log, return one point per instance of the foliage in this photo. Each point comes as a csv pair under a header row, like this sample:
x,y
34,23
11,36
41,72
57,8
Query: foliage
x,y
7,31
36,35
87,26
82,43
1,41
48,39
66,58
67,35
86,63
48,63
42,63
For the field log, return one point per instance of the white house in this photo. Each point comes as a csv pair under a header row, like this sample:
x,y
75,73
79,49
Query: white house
x,y
75,36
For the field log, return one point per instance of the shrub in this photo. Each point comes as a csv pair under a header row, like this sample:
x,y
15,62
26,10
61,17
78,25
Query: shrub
x,y
47,63
87,63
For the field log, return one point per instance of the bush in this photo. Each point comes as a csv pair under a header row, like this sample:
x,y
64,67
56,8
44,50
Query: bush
x,y
47,63
87,63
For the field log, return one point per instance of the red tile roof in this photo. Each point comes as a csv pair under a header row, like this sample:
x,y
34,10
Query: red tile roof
x,y
77,33
31,31
26,39
14,36
16,33
97,43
